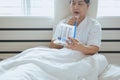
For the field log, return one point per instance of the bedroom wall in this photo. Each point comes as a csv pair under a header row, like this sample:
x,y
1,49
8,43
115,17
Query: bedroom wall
x,y
20,33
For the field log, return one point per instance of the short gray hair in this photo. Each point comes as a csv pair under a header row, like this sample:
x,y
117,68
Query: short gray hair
x,y
86,1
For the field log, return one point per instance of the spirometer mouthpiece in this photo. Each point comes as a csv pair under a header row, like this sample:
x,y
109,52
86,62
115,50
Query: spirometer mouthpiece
x,y
77,17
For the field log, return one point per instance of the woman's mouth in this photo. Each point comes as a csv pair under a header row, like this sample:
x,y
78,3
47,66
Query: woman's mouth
x,y
76,12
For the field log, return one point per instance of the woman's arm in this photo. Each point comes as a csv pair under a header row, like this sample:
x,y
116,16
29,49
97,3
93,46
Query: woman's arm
x,y
53,45
86,49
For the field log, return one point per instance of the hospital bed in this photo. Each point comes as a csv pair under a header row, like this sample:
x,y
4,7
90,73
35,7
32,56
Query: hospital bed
x,y
20,37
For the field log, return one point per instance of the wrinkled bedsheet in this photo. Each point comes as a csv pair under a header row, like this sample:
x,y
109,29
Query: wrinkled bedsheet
x,y
42,63
112,72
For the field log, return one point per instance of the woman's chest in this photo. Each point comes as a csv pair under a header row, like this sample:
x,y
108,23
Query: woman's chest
x,y
82,34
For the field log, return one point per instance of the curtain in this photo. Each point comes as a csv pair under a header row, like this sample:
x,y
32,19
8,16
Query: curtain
x,y
44,8
108,8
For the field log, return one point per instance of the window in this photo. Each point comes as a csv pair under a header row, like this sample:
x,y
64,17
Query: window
x,y
109,13
108,8
43,8
11,7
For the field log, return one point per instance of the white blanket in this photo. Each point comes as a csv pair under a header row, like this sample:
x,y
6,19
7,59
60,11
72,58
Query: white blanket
x,y
52,64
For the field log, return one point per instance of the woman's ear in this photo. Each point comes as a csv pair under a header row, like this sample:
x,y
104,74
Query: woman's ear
x,y
88,5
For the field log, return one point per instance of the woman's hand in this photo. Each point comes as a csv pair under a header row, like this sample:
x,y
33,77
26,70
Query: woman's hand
x,y
73,19
53,45
74,44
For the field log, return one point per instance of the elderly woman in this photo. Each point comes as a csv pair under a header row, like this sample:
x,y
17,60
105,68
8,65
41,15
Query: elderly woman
x,y
88,32
73,62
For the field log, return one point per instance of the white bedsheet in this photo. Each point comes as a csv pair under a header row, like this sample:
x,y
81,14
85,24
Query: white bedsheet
x,y
52,64
112,72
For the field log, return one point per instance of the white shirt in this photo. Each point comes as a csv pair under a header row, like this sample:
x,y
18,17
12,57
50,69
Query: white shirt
x,y
88,31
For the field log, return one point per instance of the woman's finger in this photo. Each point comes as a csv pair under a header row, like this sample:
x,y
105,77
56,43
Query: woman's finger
x,y
73,40
71,21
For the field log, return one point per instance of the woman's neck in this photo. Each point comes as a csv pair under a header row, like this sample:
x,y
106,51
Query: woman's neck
x,y
79,20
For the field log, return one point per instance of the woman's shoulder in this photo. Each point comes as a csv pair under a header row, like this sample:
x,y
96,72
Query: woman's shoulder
x,y
93,20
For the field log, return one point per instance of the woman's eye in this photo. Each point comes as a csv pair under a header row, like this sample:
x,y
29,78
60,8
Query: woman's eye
x,y
73,3
80,4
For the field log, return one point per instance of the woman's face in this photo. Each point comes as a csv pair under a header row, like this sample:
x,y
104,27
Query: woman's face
x,y
79,8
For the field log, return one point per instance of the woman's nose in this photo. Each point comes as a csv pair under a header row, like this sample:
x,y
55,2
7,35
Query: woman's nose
x,y
76,6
